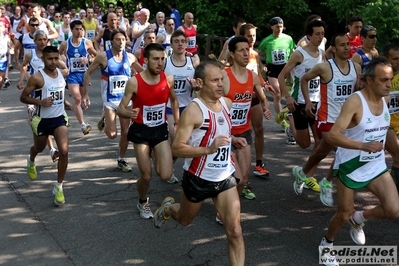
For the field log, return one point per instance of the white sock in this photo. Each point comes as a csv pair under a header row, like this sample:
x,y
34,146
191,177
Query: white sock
x,y
120,158
59,184
30,159
325,243
302,173
358,217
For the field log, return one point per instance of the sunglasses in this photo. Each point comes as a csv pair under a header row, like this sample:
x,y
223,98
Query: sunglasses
x,y
372,36
34,25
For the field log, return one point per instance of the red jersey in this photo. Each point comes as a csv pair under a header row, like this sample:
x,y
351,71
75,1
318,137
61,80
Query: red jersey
x,y
192,39
355,44
6,24
151,99
141,59
241,96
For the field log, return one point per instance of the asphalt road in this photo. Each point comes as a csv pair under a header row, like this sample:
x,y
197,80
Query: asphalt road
x,y
100,224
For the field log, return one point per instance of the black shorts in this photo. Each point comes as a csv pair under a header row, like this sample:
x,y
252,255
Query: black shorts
x,y
255,101
274,70
301,119
142,134
246,135
197,189
46,126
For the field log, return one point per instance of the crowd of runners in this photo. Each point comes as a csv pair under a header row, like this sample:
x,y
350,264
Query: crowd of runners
x,y
170,105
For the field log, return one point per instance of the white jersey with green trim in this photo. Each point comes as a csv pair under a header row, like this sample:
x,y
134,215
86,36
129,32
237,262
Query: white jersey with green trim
x,y
358,165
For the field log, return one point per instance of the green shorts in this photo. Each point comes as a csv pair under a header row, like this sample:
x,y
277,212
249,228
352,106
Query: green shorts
x,y
349,183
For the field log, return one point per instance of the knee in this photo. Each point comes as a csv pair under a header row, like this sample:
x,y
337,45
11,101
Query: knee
x,y
344,215
111,135
63,153
234,232
304,144
165,176
392,213
258,129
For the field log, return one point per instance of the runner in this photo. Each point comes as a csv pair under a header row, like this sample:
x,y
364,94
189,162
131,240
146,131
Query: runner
x,y
77,49
367,52
115,67
149,37
204,138
48,86
360,133
149,91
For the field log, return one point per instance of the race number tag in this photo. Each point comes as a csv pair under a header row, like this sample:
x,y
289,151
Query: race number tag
x,y
239,113
279,57
108,45
393,104
117,84
180,86
154,115
90,34
219,159
342,92
76,66
57,94
372,156
191,42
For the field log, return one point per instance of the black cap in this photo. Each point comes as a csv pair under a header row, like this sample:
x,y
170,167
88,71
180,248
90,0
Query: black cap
x,y
276,20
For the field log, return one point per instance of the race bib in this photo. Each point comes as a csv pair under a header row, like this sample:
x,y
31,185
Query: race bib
x,y
154,115
279,57
57,94
90,34
117,84
239,113
108,45
191,42
393,104
180,86
76,66
342,92
220,159
372,156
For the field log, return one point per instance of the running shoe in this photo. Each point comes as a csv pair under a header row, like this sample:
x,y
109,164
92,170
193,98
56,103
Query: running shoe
x,y
290,140
6,83
144,208
54,154
159,216
31,169
326,192
326,256
312,184
284,125
299,180
173,179
58,193
259,170
101,123
124,166
10,67
356,232
247,193
281,116
218,218
85,128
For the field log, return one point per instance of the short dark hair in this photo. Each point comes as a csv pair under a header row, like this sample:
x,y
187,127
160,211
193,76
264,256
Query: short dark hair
x,y
389,47
200,70
333,39
369,70
152,47
233,42
355,19
314,23
365,29
50,49
74,23
246,27
33,19
177,33
238,21
110,3
116,31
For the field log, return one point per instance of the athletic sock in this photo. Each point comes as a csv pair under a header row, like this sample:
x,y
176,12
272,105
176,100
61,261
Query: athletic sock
x,y
259,163
142,201
59,184
326,242
358,217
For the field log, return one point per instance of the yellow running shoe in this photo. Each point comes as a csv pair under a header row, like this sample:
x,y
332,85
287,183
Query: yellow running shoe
x,y
312,184
59,198
31,169
282,116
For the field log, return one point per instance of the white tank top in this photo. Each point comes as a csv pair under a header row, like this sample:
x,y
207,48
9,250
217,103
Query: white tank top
x,y
218,166
43,27
359,165
139,42
35,62
52,87
308,63
334,93
3,48
182,87
122,24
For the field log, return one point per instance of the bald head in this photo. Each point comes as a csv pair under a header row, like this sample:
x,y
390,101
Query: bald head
x,y
112,20
189,19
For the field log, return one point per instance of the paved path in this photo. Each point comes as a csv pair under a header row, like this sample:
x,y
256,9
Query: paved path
x,y
100,224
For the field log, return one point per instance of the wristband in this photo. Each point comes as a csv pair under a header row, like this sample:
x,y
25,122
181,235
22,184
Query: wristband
x,y
176,123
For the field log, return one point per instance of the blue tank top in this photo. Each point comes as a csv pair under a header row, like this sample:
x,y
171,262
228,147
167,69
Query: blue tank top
x,y
115,76
74,55
365,59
